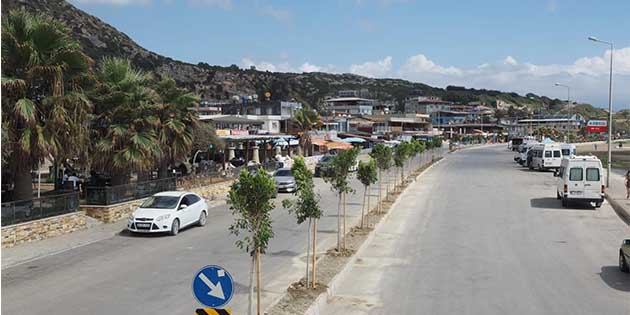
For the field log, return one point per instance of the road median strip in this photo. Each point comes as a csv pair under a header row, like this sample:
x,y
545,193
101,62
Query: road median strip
x,y
332,264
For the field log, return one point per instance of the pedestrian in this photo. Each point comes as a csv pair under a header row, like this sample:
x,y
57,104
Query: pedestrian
x,y
628,185
74,179
595,145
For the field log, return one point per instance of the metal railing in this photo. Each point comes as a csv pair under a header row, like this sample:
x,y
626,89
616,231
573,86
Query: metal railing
x,y
109,195
38,208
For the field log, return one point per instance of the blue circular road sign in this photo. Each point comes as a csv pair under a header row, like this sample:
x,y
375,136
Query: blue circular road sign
x,y
213,286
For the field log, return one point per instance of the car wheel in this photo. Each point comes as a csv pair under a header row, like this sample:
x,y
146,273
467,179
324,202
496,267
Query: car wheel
x,y
203,218
174,227
623,265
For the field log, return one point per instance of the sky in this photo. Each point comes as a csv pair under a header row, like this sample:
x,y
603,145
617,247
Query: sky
x,y
511,45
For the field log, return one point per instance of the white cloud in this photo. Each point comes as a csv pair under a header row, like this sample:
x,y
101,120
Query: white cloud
x,y
246,63
421,64
281,15
587,76
379,68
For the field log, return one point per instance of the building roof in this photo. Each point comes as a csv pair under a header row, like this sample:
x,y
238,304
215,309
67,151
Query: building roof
x,y
330,144
256,137
347,99
231,119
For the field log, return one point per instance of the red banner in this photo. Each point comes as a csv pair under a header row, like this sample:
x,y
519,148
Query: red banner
x,y
596,126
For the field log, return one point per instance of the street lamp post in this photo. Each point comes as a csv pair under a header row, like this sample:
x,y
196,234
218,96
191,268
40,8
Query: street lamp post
x,y
568,108
612,50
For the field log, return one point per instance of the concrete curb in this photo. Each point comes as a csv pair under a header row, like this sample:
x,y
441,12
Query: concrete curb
x,y
619,209
320,302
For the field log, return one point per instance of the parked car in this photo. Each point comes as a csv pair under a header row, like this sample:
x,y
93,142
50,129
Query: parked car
x,y
285,182
580,178
323,165
168,211
624,256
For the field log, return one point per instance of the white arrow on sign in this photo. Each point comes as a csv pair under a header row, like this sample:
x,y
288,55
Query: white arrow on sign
x,y
215,290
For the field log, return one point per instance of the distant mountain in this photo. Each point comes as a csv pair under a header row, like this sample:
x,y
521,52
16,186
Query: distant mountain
x,y
100,39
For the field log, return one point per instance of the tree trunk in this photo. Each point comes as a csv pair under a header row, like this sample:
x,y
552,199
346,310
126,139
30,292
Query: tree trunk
x,y
369,195
163,170
23,189
258,281
313,278
339,224
363,207
308,251
380,190
251,286
344,221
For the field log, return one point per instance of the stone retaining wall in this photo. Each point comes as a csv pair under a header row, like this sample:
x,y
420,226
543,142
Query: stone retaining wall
x,y
216,191
113,213
42,229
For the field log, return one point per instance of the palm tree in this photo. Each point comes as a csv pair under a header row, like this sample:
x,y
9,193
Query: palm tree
x,y
305,119
126,120
177,124
44,111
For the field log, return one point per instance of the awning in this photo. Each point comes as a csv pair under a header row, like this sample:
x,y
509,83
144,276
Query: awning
x,y
283,143
328,144
353,140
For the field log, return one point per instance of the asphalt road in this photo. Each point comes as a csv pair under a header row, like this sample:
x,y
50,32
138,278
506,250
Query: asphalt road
x,y
151,274
480,235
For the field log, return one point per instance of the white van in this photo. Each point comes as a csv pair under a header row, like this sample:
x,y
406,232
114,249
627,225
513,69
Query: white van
x,y
568,149
580,178
521,154
546,156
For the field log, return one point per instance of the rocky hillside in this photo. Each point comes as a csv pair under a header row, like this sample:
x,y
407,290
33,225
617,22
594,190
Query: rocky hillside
x,y
100,39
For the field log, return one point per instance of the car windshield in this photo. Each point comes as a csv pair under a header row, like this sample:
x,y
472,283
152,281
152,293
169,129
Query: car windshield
x,y
160,202
283,173
326,158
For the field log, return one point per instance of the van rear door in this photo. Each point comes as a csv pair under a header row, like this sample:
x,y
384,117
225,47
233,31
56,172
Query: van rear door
x,y
576,182
593,181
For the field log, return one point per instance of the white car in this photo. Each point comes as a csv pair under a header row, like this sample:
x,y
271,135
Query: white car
x,y
168,211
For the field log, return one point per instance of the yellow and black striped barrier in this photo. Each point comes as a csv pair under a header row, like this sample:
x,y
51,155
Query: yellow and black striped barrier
x,y
213,311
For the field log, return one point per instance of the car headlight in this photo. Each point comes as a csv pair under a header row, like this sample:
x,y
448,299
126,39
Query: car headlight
x,y
163,217
130,217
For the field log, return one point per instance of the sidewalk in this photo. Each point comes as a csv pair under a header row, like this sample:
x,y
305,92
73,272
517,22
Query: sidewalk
x,y
616,195
95,231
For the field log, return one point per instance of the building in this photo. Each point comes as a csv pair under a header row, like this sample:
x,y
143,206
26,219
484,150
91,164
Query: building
x,y
350,105
393,125
562,123
209,107
285,109
426,104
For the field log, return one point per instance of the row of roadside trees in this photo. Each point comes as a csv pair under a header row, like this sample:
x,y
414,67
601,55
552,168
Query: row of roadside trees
x,y
250,199
109,117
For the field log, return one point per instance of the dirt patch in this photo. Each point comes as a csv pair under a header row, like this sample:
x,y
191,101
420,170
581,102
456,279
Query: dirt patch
x,y
298,297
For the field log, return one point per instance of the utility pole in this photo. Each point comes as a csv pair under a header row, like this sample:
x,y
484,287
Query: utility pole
x,y
610,113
